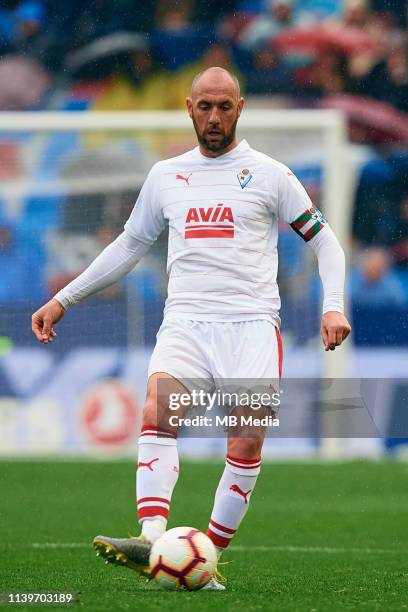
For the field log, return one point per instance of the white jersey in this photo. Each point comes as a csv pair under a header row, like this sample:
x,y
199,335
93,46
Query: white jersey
x,y
223,230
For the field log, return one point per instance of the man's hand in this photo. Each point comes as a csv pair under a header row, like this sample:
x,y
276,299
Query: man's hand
x,y
44,319
334,329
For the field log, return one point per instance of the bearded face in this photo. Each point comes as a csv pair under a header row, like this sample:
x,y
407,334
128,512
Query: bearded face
x,y
214,107
215,138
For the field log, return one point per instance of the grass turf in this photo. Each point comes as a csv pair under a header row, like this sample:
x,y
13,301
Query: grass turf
x,y
317,537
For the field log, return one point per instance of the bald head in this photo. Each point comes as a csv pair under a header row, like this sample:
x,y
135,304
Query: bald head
x,y
215,80
214,107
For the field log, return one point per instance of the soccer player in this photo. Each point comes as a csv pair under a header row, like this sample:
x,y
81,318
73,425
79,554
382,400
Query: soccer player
x,y
222,202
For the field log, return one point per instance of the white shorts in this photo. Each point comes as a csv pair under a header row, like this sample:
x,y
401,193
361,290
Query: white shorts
x,y
218,351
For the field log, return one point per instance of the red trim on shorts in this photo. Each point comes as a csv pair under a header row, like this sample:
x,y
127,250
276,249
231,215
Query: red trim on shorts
x,y
221,528
218,540
280,350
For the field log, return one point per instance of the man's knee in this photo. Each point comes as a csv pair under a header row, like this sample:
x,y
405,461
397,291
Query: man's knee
x,y
150,413
156,402
245,448
156,411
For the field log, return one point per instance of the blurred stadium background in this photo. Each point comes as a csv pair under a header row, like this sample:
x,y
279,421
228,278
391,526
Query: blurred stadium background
x,y
69,178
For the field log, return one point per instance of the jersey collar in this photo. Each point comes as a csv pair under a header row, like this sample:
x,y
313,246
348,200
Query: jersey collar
x,y
235,152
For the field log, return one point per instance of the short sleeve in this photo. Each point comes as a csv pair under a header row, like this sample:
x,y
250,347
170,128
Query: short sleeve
x,y
296,208
146,221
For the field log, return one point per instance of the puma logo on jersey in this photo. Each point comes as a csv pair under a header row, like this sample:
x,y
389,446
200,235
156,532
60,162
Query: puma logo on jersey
x,y
184,178
237,489
214,222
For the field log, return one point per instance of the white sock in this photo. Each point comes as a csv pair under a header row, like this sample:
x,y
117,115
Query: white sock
x,y
219,551
157,473
232,499
153,529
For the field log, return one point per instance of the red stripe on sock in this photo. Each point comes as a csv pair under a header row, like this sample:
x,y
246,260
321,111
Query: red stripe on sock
x,y
221,527
154,428
150,430
256,460
244,467
218,540
150,511
153,499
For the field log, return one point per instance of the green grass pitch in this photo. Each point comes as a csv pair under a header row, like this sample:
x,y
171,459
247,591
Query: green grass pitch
x,y
318,537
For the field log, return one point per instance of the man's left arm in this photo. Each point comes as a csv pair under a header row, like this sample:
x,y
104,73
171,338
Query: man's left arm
x,y
334,327
296,208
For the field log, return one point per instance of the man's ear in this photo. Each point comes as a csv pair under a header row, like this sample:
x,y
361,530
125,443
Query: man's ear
x,y
241,103
189,104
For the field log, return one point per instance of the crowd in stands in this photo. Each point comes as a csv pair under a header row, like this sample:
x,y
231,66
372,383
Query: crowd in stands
x,y
302,49
124,55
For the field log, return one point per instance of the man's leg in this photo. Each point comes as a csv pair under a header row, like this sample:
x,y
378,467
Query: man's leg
x,y
158,463
242,467
157,475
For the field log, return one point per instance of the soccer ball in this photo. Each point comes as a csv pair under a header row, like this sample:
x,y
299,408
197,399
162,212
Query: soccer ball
x,y
183,558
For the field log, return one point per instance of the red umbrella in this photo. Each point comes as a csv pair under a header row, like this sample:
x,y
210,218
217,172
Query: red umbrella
x,y
374,122
314,39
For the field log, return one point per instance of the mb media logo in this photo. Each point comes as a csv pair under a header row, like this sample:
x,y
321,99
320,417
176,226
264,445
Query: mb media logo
x,y
211,222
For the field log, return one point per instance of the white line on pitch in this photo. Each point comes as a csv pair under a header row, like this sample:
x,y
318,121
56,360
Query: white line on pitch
x,y
315,549
239,548
44,545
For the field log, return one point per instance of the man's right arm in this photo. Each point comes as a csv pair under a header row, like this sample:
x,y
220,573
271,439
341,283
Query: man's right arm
x,y
117,259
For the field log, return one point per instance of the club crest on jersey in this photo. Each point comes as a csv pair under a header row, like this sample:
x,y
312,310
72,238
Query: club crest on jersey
x,y
244,177
214,222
